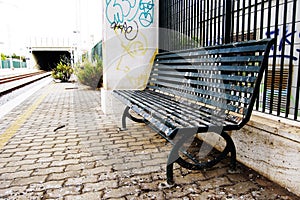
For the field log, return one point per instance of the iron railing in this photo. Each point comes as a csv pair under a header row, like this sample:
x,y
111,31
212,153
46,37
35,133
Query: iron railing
x,y
194,23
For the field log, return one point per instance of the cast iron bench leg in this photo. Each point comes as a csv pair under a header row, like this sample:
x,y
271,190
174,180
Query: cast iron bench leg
x,y
125,114
185,134
175,158
128,115
232,150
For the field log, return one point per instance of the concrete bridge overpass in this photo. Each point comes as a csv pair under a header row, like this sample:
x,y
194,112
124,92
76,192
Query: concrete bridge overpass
x,y
46,52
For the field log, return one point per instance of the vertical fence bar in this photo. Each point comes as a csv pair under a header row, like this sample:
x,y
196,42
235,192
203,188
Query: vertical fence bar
x,y
243,20
297,91
227,20
211,23
267,69
290,75
215,23
220,38
197,22
201,24
249,20
274,57
255,19
207,23
280,86
237,21
261,35
232,22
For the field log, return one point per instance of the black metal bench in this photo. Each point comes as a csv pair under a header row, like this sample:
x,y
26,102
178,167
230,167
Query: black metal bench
x,y
211,89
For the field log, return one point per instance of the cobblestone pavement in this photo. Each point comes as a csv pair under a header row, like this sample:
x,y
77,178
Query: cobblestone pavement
x,y
59,145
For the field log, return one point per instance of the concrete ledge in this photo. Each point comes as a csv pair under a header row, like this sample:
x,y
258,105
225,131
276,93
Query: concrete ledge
x,y
272,148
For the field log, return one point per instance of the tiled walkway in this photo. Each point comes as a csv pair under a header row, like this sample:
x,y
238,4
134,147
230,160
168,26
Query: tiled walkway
x,y
59,145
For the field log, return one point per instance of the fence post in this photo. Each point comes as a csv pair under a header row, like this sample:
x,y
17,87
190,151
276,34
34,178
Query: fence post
x,y
227,21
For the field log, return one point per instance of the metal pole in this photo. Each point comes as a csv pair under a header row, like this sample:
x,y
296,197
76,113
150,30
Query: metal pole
x,y
227,24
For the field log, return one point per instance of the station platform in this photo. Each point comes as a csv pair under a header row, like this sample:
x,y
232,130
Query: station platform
x,y
58,144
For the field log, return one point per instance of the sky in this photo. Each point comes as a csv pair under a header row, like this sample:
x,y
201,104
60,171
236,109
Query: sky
x,y
24,20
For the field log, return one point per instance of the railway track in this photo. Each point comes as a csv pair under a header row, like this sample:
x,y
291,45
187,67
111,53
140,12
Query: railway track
x,y
11,83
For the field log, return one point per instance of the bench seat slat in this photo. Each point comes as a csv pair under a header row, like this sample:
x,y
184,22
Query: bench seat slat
x,y
172,113
224,86
223,68
212,93
212,51
188,108
182,75
234,59
222,105
177,118
152,108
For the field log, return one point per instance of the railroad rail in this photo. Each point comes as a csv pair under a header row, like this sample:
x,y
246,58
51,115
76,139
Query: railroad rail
x,y
11,83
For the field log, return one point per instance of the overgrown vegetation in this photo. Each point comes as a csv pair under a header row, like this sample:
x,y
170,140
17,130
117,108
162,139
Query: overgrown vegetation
x,y
63,70
90,73
3,57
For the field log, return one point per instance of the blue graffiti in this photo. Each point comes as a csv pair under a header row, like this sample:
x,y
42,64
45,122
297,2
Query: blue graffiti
x,y
146,16
120,11
285,39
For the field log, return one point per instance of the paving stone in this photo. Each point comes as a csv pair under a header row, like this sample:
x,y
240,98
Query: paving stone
x,y
147,169
21,162
81,180
64,162
4,170
14,175
29,180
62,192
101,185
63,176
120,192
11,191
35,166
45,185
80,166
91,196
242,188
96,170
48,170
214,183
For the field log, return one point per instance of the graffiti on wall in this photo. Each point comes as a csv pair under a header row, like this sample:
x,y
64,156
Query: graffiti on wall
x,y
284,38
126,16
121,11
130,21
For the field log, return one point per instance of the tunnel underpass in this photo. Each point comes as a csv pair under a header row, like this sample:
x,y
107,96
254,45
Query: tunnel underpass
x,y
47,60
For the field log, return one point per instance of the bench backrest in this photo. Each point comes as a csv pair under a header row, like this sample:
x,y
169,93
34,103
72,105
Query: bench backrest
x,y
224,77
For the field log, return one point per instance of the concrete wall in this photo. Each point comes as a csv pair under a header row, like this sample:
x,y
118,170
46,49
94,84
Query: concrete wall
x,y
271,147
129,44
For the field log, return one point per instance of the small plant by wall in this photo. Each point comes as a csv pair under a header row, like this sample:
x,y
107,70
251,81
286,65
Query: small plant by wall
x,y
90,74
62,72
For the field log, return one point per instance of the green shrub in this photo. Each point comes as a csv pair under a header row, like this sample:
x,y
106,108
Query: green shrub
x,y
90,74
62,72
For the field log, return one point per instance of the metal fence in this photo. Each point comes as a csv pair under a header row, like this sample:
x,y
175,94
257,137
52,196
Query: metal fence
x,y
196,23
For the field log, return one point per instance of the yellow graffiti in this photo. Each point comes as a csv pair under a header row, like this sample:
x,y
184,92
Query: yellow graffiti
x,y
141,80
133,49
128,59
